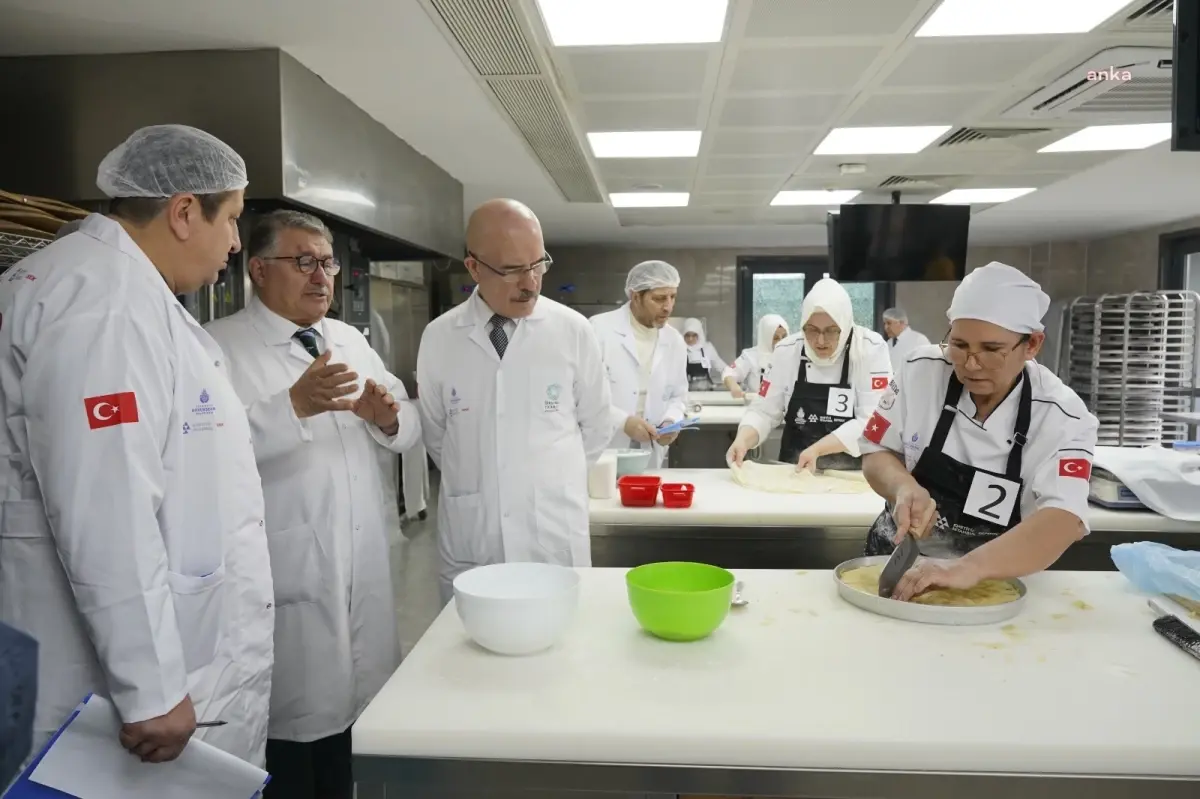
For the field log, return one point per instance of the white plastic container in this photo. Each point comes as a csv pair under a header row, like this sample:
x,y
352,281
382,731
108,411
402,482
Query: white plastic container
x,y
602,477
517,608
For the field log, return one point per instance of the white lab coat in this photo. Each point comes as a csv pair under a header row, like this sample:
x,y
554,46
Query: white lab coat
x,y
666,393
327,522
132,544
903,345
512,438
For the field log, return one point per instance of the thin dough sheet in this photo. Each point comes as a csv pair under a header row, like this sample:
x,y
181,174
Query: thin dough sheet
x,y
989,592
784,479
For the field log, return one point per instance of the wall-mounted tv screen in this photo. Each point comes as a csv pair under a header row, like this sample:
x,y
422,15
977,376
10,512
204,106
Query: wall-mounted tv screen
x,y
1185,78
899,242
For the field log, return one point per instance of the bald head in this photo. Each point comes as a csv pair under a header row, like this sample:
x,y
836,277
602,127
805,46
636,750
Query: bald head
x,y
504,251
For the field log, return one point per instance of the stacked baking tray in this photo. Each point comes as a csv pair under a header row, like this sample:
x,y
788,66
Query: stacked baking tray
x,y
29,223
1132,357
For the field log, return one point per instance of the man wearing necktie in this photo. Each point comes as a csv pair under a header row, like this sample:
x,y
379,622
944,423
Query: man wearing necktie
x,y
317,437
515,404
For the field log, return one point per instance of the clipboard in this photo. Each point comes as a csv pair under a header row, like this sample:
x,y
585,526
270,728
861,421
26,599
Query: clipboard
x,y
24,788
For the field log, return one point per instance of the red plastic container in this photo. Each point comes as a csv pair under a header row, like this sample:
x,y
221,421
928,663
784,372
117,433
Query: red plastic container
x,y
678,495
639,491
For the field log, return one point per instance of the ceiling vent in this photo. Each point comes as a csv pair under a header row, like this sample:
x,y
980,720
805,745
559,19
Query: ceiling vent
x,y
1156,15
977,135
1121,85
492,40
914,182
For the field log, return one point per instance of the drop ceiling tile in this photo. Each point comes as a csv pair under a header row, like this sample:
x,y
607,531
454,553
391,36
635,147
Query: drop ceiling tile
x,y
1062,162
961,63
800,69
779,112
737,184
728,166
933,108
649,170
732,199
764,142
960,161
790,19
634,72
796,214
641,183
830,165
661,114
1012,180
831,183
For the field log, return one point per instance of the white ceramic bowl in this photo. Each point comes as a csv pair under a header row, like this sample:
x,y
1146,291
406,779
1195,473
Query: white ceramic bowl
x,y
632,461
517,608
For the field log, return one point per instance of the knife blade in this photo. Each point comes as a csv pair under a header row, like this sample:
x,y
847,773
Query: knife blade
x,y
901,561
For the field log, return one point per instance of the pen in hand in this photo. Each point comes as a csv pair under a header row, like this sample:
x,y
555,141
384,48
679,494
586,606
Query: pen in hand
x,y
203,724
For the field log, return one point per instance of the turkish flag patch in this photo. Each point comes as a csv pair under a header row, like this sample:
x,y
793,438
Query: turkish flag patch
x,y
111,409
764,388
879,383
1075,467
876,428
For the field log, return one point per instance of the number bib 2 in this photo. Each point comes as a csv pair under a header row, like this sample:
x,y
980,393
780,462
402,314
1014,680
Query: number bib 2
x,y
841,403
992,498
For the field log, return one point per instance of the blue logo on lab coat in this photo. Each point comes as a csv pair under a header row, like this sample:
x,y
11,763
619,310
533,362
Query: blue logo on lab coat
x,y
203,396
186,428
552,391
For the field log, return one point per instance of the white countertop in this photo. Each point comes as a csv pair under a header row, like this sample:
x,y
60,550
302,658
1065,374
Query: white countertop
x,y
713,398
1079,683
721,502
721,415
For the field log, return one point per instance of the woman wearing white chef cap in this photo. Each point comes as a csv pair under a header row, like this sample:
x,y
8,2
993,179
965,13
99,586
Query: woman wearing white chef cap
x,y
823,384
745,373
981,452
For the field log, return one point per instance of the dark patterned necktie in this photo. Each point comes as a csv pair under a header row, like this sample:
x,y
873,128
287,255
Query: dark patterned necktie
x,y
308,337
498,337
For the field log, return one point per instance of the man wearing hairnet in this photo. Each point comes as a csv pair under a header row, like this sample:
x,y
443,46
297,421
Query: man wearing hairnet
x,y
981,453
646,359
132,545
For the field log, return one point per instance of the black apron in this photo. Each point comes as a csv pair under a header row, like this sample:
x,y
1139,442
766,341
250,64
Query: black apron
x,y
698,376
949,484
808,420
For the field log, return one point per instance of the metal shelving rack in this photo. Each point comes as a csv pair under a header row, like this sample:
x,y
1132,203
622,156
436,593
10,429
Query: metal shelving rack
x,y
1131,358
13,248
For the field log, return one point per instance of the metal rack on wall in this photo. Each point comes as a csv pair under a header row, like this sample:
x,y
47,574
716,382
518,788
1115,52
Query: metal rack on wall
x,y
14,247
1132,358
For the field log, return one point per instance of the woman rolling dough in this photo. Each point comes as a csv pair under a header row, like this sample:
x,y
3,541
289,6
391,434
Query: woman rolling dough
x,y
745,374
823,385
980,452
704,364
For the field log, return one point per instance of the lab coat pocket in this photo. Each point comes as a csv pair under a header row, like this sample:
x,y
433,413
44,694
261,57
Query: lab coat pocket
x,y
199,602
295,565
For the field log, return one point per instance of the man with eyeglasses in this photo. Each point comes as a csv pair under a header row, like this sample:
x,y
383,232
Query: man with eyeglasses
x,y
321,406
514,406
982,453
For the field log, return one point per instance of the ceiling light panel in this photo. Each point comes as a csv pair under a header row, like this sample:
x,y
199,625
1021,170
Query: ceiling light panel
x,y
880,141
1111,137
606,23
649,199
1018,17
814,197
645,144
980,196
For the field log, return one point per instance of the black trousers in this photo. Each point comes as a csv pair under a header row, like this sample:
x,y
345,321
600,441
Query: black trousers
x,y
319,769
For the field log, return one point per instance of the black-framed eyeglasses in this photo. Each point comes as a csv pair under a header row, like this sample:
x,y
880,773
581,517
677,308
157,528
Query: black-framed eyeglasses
x,y
307,264
513,274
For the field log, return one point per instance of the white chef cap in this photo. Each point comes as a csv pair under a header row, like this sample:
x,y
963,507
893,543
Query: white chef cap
x,y
164,160
1002,295
650,275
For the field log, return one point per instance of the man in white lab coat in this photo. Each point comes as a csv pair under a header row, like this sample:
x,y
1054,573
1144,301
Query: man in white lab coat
x,y
646,359
514,406
132,544
902,339
317,434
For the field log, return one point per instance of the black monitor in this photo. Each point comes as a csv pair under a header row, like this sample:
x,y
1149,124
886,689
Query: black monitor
x,y
1185,78
897,242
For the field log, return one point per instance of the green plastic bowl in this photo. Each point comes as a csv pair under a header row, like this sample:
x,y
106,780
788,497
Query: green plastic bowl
x,y
679,601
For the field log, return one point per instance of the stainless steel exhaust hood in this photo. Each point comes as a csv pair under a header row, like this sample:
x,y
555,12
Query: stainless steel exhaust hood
x,y
304,143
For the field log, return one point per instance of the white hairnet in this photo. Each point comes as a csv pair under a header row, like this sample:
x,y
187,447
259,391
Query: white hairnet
x,y
828,295
165,160
1002,295
650,275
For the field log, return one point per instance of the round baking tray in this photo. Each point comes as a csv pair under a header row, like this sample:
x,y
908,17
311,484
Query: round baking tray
x,y
923,614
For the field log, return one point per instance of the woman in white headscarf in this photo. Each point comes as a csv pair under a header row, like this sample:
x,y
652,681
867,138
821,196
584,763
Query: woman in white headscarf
x,y
745,374
982,454
823,385
704,364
